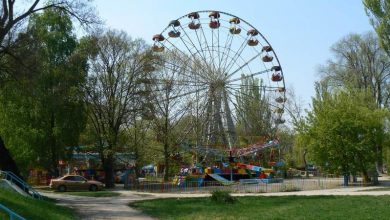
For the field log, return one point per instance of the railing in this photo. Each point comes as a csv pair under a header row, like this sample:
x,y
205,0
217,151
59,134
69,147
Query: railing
x,y
7,175
250,187
12,215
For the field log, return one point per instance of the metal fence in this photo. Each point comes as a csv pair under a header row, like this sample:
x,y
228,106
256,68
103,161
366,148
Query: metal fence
x,y
12,215
13,179
240,187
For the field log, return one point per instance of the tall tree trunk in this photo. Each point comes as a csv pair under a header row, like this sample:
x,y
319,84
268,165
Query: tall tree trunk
x,y
166,162
305,162
365,175
7,163
108,166
379,160
53,148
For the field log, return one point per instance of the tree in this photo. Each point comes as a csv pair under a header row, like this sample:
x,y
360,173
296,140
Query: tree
x,y
12,15
138,138
170,105
343,130
37,110
379,13
254,111
112,91
6,161
361,64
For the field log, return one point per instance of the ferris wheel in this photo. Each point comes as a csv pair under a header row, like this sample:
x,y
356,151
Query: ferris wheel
x,y
213,62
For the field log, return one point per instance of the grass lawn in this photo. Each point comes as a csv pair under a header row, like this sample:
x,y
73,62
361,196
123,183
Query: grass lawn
x,y
287,207
33,209
91,194
3,215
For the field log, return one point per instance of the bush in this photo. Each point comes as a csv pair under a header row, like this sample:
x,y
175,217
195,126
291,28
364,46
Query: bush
x,y
222,196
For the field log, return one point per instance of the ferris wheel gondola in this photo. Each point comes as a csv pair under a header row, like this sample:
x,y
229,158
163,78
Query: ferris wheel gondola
x,y
208,55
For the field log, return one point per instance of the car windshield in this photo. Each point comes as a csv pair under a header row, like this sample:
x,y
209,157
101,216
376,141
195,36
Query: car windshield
x,y
79,178
74,178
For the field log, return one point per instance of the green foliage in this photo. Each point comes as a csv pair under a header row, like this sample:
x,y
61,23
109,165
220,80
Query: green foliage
x,y
359,63
343,130
3,215
291,150
113,94
222,196
170,108
379,13
254,118
43,112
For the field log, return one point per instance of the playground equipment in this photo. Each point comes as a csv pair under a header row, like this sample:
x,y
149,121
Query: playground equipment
x,y
205,57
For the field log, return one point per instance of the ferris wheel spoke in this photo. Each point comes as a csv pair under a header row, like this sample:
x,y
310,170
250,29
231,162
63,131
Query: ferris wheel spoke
x,y
173,67
236,56
249,75
165,61
188,93
236,107
219,52
177,82
232,136
201,111
190,52
193,44
254,87
185,61
238,90
166,98
207,45
212,48
202,56
239,115
202,74
201,48
250,97
242,66
226,50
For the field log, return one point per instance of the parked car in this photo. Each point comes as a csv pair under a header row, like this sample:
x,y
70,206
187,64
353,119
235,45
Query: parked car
x,y
75,182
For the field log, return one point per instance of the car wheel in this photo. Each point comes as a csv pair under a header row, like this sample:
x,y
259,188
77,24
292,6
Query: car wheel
x,y
62,188
93,188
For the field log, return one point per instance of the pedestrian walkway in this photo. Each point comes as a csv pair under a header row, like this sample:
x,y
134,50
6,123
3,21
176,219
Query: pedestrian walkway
x,y
96,208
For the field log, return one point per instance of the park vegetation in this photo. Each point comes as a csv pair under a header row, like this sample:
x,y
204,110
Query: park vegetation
x,y
267,207
103,90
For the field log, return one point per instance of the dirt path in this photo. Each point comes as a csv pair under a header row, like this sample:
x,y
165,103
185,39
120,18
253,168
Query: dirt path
x,y
92,208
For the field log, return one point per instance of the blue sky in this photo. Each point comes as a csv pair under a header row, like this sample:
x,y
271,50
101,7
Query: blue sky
x,y
300,31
